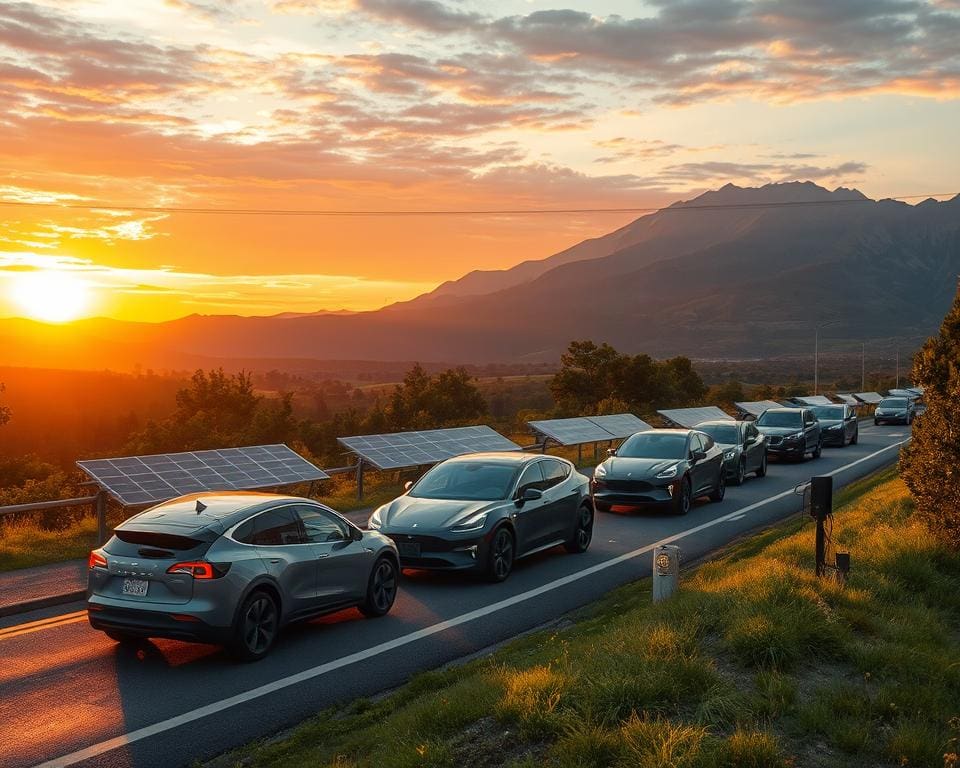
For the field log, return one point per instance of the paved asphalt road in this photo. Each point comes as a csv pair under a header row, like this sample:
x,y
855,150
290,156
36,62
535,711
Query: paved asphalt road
x,y
70,696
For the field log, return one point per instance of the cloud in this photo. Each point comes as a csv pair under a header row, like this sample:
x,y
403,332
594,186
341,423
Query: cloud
x,y
711,172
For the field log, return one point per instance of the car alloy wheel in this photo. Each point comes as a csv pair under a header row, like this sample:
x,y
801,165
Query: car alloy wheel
x,y
818,450
258,625
721,488
501,555
741,471
856,436
763,466
684,497
583,535
382,588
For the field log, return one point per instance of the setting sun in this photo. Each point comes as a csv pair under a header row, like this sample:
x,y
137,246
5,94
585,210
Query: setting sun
x,y
52,296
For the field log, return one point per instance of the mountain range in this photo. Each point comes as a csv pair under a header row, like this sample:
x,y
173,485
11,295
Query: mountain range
x,y
736,272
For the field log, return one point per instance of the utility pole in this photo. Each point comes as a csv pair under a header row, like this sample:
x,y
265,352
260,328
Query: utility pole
x,y
816,358
863,367
898,367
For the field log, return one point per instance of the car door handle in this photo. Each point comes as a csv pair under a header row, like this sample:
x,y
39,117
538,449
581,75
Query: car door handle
x,y
323,554
275,560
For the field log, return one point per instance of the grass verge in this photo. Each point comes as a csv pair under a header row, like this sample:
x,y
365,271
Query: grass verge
x,y
755,662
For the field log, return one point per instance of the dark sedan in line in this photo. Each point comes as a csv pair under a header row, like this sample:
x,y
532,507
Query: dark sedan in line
x,y
838,424
483,511
894,410
791,433
744,448
660,467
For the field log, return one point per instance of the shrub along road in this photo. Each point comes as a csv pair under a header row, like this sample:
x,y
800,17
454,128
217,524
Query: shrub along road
x,y
69,695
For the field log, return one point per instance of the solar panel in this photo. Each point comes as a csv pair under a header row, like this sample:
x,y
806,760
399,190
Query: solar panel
x,y
571,431
690,417
814,400
134,480
620,424
412,449
868,397
756,407
847,399
908,393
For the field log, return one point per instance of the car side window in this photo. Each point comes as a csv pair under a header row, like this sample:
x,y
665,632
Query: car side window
x,y
554,472
752,432
320,526
532,477
276,527
695,444
808,417
706,441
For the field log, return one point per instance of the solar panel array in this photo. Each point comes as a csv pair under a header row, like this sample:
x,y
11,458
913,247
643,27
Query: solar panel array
x,y
413,449
814,400
690,417
847,399
621,424
571,431
756,407
134,480
868,397
909,393
589,429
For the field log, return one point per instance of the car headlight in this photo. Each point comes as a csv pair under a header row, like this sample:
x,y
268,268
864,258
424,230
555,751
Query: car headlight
x,y
667,473
795,436
376,521
836,427
600,472
730,455
475,523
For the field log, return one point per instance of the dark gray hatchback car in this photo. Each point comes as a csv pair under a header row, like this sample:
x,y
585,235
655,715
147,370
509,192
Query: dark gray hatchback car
x,y
233,568
483,511
791,433
744,447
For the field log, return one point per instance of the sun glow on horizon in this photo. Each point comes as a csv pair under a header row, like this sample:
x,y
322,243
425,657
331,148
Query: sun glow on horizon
x,y
51,296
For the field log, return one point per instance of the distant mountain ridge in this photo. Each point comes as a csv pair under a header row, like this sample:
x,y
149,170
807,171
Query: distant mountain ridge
x,y
736,272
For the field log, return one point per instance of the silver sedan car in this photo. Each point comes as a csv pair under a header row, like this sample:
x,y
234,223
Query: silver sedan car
x,y
233,568
483,511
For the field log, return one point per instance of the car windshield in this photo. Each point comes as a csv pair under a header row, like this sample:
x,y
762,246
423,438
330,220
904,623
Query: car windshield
x,y
728,434
893,402
654,445
828,412
780,419
466,480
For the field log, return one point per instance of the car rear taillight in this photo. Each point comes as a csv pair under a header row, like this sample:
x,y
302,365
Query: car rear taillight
x,y
96,560
200,569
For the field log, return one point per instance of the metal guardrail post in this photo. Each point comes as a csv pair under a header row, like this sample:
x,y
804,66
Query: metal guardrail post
x,y
101,506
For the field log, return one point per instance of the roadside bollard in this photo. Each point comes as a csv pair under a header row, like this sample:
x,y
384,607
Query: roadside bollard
x,y
666,571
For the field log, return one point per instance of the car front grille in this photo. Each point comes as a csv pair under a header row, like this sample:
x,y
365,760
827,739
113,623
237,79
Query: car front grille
x,y
628,486
775,439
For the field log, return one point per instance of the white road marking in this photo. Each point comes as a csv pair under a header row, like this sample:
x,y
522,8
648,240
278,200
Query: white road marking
x,y
146,732
736,517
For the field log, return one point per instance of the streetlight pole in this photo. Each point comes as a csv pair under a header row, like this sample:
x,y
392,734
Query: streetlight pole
x,y
863,367
898,367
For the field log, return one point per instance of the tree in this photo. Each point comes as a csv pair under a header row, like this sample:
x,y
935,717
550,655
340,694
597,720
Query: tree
x,y
930,463
4,410
588,374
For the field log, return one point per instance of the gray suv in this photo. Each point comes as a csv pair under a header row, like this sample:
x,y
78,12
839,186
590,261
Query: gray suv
x,y
791,432
233,568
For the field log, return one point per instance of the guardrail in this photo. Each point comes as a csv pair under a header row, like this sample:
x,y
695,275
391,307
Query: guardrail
x,y
98,502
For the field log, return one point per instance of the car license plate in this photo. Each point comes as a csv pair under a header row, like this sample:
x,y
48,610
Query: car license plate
x,y
409,550
135,587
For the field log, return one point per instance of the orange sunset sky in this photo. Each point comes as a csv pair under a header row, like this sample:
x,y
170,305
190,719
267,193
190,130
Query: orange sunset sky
x,y
420,105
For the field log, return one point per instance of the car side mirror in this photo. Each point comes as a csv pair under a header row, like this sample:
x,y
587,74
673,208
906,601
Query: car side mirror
x,y
529,494
356,534
699,455
611,451
408,485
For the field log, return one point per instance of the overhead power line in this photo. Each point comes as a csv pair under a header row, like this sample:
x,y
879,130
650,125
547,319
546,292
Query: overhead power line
x,y
104,206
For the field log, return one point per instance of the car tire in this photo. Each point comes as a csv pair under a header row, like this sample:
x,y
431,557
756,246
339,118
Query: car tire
x,y
381,588
256,627
500,555
741,472
720,490
762,470
684,498
123,638
818,450
583,534
856,436
876,422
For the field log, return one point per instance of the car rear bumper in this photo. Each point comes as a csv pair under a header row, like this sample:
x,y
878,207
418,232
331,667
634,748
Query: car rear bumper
x,y
155,620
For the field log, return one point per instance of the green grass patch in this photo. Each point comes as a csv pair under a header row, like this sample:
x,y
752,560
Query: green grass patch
x,y
755,662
